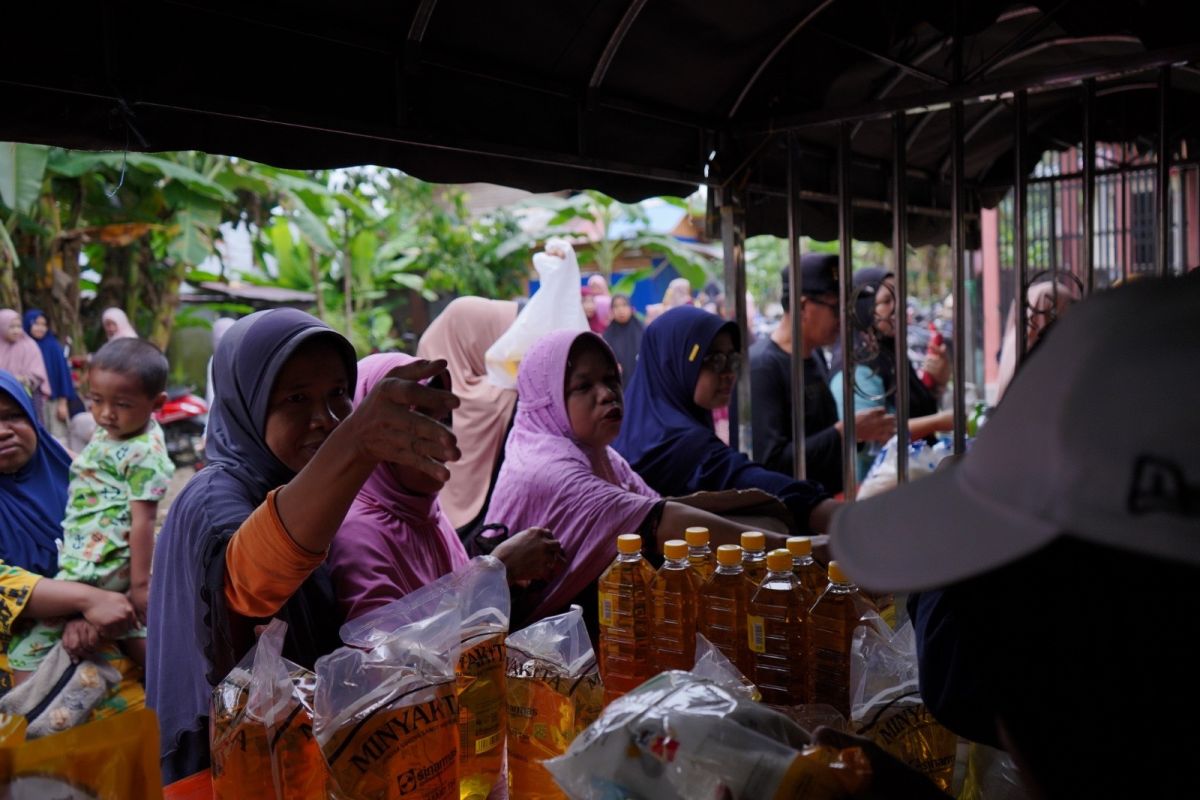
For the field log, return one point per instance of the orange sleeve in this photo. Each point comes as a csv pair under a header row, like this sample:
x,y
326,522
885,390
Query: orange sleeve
x,y
263,565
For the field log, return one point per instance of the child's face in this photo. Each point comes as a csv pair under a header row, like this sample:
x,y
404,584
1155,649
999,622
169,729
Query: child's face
x,y
120,404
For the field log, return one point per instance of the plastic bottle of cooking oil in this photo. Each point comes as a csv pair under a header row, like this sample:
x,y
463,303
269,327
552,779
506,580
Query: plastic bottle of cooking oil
x,y
724,598
775,631
812,577
700,555
625,619
831,623
754,555
675,594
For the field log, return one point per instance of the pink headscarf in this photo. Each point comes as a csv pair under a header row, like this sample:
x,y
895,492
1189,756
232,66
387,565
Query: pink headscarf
x,y
124,329
586,497
1041,312
599,287
461,334
22,358
392,541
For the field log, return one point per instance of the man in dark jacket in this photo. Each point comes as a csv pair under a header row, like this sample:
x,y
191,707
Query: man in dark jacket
x,y
771,383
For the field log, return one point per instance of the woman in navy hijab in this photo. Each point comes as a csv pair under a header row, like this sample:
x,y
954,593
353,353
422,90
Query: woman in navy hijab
x,y
686,368
34,471
62,388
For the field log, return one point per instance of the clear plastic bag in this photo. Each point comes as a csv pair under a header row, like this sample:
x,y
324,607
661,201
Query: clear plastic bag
x,y
261,727
887,706
554,693
923,459
387,718
554,306
680,736
480,592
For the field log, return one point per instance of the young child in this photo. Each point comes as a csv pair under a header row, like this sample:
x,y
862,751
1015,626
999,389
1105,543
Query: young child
x,y
112,501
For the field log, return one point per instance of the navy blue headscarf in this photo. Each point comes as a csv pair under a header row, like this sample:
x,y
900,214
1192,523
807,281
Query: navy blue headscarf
x,y
670,440
194,639
61,385
33,499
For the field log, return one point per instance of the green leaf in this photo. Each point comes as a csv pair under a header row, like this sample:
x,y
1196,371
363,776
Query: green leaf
x,y
409,280
7,246
200,276
170,169
628,282
568,214
191,245
22,167
312,227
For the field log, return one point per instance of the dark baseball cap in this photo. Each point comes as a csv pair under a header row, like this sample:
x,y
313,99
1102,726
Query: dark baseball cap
x,y
818,276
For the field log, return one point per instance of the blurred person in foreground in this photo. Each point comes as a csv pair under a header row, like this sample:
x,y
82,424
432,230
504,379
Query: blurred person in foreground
x,y
771,382
1056,561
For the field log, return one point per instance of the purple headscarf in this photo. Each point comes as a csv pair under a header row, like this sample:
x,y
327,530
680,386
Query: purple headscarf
x,y
586,497
392,541
194,639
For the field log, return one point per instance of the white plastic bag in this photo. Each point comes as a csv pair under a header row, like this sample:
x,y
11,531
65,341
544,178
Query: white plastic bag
x,y
554,306
923,459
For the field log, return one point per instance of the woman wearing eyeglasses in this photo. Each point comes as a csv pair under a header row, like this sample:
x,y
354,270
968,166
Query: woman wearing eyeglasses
x,y
687,367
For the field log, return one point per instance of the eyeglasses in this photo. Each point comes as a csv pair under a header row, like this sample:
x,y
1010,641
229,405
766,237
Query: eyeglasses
x,y
722,362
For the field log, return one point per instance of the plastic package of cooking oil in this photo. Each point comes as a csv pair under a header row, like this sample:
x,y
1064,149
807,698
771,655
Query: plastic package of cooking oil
x,y
261,727
387,717
886,704
480,590
680,736
554,693
113,759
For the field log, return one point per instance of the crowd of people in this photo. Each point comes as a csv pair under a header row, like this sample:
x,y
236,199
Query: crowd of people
x,y
334,486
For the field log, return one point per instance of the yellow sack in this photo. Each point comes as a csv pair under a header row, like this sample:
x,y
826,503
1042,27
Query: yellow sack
x,y
113,759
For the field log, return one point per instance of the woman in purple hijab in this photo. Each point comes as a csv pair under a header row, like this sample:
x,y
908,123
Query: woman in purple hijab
x,y
560,473
287,456
396,537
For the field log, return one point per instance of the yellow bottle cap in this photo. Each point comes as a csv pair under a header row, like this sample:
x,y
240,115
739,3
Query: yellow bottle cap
x,y
799,546
835,573
629,543
779,561
696,537
753,540
675,549
729,555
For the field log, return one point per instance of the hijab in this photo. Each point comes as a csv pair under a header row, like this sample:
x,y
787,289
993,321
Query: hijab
x,y
124,329
665,434
33,499
393,541
22,359
625,338
61,383
461,334
1045,306
219,329
194,639
867,282
603,299
549,479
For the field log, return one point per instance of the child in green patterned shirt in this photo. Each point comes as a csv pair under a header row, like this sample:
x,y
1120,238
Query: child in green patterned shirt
x,y
116,484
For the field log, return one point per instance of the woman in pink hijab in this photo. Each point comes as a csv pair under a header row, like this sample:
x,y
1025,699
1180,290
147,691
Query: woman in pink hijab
x,y
20,356
1047,303
116,324
560,472
461,334
396,537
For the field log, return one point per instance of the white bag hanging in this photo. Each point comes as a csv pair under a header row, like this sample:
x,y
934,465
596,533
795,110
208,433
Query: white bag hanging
x,y
554,306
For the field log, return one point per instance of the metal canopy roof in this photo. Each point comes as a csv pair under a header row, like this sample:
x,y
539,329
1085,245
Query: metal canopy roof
x,y
631,97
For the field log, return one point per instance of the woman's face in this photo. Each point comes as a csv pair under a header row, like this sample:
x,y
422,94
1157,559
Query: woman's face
x,y
622,312
718,373
39,327
589,305
885,307
593,391
18,437
111,328
14,331
310,398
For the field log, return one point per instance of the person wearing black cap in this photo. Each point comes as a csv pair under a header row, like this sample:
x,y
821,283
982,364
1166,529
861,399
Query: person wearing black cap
x,y
771,383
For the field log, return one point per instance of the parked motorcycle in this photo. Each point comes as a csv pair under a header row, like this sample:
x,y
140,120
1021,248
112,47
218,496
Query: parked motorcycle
x,y
183,419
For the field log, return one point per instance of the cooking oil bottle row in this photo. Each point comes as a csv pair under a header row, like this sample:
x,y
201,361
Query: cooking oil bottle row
x,y
785,622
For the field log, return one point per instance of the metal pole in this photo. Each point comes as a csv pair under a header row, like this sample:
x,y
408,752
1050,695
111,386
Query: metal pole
x,y
1020,211
1163,174
1052,224
1089,183
795,281
733,238
960,282
900,249
846,280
